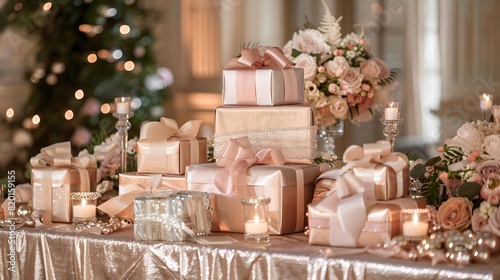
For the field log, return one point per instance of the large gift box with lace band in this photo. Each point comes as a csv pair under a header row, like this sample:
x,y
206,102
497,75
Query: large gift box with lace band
x,y
262,76
164,148
289,128
133,185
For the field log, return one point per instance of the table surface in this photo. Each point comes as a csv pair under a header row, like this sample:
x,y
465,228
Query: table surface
x,y
62,253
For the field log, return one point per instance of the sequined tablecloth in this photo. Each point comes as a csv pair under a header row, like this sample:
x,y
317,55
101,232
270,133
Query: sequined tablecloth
x,y
61,253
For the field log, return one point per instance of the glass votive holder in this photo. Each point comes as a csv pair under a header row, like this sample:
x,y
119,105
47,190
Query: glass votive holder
x,y
392,111
84,207
122,105
256,219
414,224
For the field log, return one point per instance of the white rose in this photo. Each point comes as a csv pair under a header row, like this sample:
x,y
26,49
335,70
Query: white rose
x,y
491,145
310,41
468,137
108,147
287,50
336,67
308,63
353,79
350,54
338,106
312,92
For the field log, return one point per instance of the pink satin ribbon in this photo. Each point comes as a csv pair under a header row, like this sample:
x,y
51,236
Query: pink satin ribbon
x,y
236,157
250,60
59,155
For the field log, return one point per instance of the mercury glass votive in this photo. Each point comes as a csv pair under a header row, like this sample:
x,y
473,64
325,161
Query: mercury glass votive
x,y
256,219
414,223
84,207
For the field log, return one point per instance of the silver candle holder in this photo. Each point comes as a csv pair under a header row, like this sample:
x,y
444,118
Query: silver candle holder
x,y
123,114
391,119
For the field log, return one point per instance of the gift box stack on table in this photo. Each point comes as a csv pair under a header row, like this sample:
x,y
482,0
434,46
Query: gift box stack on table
x,y
264,144
365,200
148,197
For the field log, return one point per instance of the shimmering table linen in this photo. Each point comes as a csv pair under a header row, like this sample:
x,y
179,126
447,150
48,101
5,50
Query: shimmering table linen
x,y
61,253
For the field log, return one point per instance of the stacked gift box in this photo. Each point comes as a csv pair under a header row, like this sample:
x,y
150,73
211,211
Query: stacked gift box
x,y
155,196
365,199
264,144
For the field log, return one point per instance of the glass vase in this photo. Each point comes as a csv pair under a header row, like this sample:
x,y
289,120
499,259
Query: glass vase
x,y
326,140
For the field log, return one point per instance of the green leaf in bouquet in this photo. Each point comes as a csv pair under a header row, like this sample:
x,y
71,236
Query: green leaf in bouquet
x,y
432,161
417,171
295,52
471,190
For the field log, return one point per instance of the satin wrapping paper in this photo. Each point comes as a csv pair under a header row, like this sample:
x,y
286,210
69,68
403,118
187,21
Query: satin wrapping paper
x,y
169,156
61,253
383,223
289,127
288,199
64,181
168,182
160,216
263,86
388,183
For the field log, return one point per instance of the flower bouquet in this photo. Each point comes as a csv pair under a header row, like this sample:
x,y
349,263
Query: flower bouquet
x,y
342,79
462,185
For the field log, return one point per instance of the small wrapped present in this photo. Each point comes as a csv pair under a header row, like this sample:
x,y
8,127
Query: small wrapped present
x,y
163,215
289,128
166,149
19,195
382,224
56,174
133,185
289,186
375,164
270,79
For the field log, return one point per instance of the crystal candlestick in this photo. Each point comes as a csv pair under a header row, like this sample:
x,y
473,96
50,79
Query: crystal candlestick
x,y
123,114
391,120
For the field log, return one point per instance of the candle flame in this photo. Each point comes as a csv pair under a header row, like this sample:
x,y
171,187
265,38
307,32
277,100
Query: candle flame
x,y
415,219
256,219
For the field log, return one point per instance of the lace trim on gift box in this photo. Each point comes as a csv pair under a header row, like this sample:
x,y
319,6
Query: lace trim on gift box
x,y
294,142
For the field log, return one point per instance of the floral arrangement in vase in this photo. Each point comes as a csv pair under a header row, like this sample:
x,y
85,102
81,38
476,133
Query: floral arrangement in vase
x,y
462,184
342,79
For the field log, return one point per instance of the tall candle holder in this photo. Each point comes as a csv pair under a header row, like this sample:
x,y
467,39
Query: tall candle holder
x,y
485,103
123,114
391,119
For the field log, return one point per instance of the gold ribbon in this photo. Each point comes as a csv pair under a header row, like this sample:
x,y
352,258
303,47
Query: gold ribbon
x,y
167,128
121,202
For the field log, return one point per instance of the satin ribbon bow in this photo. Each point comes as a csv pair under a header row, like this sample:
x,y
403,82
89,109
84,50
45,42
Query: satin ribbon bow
x,y
236,157
347,202
167,128
121,202
379,152
59,155
272,57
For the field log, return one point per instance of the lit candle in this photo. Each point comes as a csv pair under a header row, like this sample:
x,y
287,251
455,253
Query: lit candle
x,y
84,210
122,105
486,101
415,227
391,114
256,226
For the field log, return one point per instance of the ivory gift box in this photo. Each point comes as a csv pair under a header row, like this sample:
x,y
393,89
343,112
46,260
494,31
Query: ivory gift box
x,y
52,188
290,188
289,128
382,224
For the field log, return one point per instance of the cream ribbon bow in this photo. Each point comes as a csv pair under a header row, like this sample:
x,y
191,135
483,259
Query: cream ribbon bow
x,y
273,57
59,155
167,128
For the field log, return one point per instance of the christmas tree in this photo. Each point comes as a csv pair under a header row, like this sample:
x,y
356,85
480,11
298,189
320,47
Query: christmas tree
x,y
88,52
